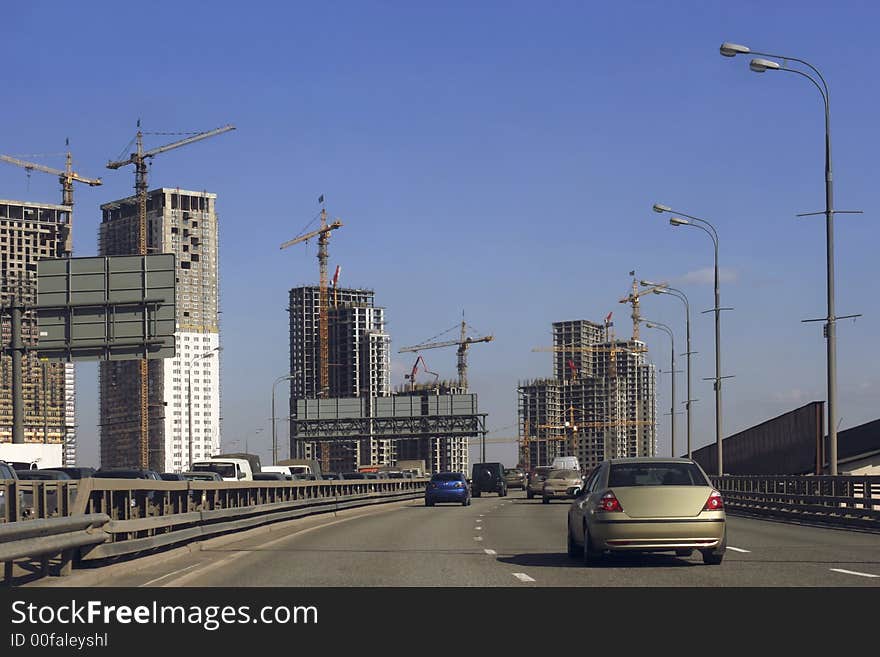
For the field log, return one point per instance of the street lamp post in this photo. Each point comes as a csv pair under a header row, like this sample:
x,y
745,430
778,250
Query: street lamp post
x,y
759,65
668,331
671,291
274,435
206,354
709,229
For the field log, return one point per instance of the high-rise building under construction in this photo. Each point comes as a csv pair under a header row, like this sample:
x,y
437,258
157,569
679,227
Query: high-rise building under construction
x,y
359,366
599,404
184,392
28,232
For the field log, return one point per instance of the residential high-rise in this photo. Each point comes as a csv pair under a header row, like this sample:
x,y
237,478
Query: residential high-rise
x,y
184,397
28,232
359,365
600,404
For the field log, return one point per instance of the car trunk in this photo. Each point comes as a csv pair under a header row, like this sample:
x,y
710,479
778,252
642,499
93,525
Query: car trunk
x,y
662,501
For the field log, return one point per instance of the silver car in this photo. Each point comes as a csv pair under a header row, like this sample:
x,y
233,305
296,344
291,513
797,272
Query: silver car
x,y
647,505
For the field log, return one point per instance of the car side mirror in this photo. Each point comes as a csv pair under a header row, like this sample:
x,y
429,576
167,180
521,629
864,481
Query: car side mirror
x,y
241,475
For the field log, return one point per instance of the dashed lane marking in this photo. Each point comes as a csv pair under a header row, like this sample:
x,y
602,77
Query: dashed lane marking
x,y
736,549
852,572
522,577
491,553
478,538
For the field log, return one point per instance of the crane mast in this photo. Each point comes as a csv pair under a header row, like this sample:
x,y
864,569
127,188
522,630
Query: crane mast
x,y
323,235
66,177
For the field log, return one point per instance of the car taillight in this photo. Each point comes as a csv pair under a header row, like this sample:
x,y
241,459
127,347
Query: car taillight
x,y
458,484
609,503
714,502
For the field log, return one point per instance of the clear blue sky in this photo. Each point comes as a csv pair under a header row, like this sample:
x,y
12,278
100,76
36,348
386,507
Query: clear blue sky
x,y
499,158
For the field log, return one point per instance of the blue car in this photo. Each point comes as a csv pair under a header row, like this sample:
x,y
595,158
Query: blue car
x,y
448,487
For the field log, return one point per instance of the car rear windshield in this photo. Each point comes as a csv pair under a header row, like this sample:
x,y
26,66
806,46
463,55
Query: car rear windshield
x,y
656,474
564,474
446,476
222,469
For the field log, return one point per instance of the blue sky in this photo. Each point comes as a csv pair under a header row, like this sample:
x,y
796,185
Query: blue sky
x,y
499,159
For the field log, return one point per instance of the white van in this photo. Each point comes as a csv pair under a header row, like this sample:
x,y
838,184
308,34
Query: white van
x,y
566,463
286,470
229,469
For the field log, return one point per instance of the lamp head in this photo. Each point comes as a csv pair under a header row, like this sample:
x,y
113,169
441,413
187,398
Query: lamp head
x,y
650,325
733,49
759,65
660,209
676,221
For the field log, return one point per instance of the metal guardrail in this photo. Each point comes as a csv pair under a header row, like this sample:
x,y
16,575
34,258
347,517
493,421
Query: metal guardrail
x,y
849,501
126,517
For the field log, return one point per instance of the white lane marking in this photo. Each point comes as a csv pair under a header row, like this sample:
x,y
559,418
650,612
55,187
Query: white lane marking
x,y
170,574
522,577
482,515
478,538
491,553
478,529
853,572
736,549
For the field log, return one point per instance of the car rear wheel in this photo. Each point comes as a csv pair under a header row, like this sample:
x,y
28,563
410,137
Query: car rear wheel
x,y
590,555
476,493
573,548
545,500
529,494
429,503
710,558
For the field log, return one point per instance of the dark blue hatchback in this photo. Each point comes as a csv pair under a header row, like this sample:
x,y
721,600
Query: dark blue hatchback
x,y
448,487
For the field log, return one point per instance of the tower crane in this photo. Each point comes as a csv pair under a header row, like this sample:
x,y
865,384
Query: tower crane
x,y
323,235
463,344
633,298
67,177
139,160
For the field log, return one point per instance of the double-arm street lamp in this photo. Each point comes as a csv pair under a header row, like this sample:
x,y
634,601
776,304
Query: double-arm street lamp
x,y
668,331
661,288
709,229
205,354
760,65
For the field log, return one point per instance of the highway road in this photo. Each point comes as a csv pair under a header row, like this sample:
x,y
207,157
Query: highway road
x,y
508,541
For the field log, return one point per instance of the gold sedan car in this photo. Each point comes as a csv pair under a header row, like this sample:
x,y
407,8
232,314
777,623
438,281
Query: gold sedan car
x,y
647,505
561,484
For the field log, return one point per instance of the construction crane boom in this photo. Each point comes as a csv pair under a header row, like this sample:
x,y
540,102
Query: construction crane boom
x,y
168,147
323,235
66,177
463,343
138,159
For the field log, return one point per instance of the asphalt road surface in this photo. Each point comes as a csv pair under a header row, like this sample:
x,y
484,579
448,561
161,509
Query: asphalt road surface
x,y
504,541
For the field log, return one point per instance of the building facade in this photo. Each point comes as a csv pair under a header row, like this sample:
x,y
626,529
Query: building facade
x,y
28,232
184,391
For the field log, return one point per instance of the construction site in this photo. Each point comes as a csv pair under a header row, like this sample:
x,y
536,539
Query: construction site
x,y
343,412
600,402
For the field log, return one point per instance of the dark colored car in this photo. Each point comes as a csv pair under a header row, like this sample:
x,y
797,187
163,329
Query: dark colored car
x,y
488,478
447,487
42,475
335,476
77,473
172,476
515,478
269,476
354,475
127,473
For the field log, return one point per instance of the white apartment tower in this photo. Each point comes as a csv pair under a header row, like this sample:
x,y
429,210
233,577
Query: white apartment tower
x,y
184,400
